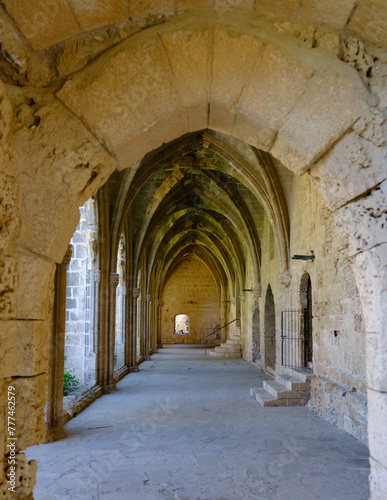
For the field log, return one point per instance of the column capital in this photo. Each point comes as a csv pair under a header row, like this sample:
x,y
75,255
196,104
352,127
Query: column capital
x,y
136,292
97,275
114,279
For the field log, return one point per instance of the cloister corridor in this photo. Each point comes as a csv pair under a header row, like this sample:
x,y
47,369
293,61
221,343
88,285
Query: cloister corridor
x,y
181,174
185,427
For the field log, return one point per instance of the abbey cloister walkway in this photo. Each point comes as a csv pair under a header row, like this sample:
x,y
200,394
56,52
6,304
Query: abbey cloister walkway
x,y
185,427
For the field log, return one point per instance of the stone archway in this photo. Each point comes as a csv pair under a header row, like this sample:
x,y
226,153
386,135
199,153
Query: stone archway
x,y
108,119
270,330
307,307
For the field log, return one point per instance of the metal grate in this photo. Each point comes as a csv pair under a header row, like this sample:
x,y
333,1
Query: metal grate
x,y
293,334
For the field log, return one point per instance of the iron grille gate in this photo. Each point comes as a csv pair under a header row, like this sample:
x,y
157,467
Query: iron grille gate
x,y
294,338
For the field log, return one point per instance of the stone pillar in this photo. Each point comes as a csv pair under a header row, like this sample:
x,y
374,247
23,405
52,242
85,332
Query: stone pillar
x,y
147,328
154,325
110,385
256,326
135,294
94,279
54,416
371,275
158,324
225,319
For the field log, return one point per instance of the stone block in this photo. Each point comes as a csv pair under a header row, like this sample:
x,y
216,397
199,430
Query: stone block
x,y
43,23
235,4
378,480
370,21
349,170
376,348
277,84
41,231
228,81
372,126
377,431
9,220
26,348
93,14
331,13
8,280
31,394
35,292
363,222
187,51
248,130
183,5
72,152
277,9
162,131
330,105
124,92
141,9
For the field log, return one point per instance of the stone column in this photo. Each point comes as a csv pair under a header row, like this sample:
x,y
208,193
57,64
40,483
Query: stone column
x,y
158,324
225,319
54,416
154,325
110,386
256,326
94,305
147,327
135,294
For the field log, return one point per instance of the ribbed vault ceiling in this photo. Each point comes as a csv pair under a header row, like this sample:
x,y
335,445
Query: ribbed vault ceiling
x,y
203,194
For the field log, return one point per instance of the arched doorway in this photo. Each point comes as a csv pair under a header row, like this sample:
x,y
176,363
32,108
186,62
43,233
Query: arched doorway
x,y
270,340
306,304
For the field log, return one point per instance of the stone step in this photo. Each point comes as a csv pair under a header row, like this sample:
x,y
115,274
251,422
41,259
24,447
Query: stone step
x,y
266,399
301,373
233,341
229,347
223,354
293,383
278,391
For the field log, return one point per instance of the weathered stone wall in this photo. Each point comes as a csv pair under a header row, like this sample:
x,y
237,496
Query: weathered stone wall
x,y
191,290
338,323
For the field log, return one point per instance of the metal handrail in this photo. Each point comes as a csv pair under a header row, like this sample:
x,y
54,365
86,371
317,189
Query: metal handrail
x,y
220,328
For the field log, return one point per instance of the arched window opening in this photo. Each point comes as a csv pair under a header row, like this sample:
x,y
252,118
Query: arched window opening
x,y
270,335
81,296
181,324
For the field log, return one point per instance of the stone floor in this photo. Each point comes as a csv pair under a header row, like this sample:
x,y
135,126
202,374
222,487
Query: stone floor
x,y
185,427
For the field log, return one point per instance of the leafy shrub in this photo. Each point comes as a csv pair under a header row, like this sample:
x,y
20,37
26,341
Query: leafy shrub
x,y
69,381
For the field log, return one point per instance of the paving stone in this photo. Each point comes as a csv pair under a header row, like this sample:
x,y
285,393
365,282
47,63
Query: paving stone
x,y
200,437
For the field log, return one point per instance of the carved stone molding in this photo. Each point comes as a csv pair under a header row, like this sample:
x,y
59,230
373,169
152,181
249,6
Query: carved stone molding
x,y
68,255
114,279
136,292
97,275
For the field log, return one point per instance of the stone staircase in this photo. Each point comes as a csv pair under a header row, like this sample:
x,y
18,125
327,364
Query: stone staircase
x,y
290,388
229,349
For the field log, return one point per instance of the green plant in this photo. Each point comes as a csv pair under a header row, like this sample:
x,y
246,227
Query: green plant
x,y
69,381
